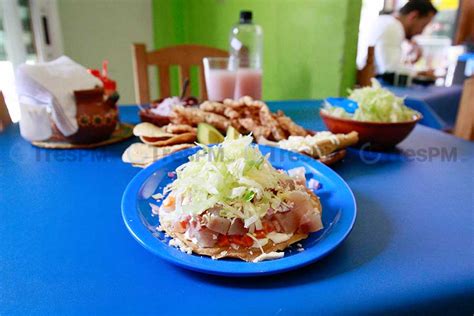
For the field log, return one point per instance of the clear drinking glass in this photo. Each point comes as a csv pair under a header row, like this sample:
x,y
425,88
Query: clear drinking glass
x,y
249,79
220,74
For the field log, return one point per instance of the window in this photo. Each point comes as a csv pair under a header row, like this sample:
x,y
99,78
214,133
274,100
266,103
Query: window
x,y
16,47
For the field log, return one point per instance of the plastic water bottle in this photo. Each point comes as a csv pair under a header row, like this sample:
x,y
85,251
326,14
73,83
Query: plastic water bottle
x,y
246,45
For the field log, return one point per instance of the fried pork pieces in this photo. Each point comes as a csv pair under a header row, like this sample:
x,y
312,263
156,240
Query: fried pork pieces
x,y
245,115
212,235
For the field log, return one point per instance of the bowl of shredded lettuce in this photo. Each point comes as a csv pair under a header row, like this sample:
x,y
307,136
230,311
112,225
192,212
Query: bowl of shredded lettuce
x,y
381,118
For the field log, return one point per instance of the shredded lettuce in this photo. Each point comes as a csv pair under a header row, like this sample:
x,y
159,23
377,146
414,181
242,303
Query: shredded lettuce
x,y
233,177
376,104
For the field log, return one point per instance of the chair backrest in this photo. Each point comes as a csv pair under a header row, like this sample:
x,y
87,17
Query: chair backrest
x,y
368,72
183,56
465,26
5,119
464,127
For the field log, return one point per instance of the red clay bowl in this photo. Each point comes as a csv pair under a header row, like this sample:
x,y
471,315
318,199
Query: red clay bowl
x,y
150,117
375,135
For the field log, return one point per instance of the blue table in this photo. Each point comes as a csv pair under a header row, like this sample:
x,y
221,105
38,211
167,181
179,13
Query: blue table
x,y
65,250
442,101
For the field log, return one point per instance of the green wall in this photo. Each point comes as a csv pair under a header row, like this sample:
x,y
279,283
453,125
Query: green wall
x,y
96,30
309,45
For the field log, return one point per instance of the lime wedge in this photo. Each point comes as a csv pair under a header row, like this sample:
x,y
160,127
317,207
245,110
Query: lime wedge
x,y
208,134
232,133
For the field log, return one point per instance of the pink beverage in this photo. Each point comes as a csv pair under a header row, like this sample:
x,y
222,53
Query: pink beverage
x,y
249,82
220,84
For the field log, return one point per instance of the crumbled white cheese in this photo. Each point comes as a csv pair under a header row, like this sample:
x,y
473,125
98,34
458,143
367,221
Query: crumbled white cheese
x,y
300,247
260,243
313,184
256,242
269,256
221,254
297,173
175,242
155,209
188,237
278,237
157,196
167,214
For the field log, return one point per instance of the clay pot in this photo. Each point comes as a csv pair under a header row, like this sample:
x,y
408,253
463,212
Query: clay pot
x,y
379,136
159,120
155,119
97,117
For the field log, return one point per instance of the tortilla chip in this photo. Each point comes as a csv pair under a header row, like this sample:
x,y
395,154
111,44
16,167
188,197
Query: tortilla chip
x,y
150,130
242,253
175,139
239,253
263,141
179,129
143,154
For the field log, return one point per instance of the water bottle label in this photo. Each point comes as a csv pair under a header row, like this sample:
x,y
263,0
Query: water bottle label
x,y
236,44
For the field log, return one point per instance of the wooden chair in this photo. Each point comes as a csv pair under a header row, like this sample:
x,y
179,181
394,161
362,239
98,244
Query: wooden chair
x,y
184,56
464,127
368,72
5,119
465,26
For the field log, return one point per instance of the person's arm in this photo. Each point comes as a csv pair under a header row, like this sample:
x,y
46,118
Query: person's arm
x,y
415,52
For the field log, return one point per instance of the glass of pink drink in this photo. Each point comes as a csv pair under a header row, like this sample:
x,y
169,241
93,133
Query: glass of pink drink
x,y
220,74
249,82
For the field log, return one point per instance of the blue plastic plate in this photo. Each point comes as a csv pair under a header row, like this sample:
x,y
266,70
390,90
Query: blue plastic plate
x,y
339,214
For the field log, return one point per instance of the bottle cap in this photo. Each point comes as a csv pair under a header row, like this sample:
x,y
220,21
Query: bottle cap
x,y
245,17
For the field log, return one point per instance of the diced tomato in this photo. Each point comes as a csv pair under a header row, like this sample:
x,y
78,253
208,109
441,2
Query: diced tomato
x,y
243,240
183,224
234,239
260,233
268,227
223,241
247,241
170,200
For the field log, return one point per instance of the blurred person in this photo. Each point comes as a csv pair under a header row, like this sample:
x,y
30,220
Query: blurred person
x,y
389,33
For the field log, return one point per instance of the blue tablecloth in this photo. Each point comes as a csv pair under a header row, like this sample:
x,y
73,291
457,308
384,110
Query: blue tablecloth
x,y
65,250
443,101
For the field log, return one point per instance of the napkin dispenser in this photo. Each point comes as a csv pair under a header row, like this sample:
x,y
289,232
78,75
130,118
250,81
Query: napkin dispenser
x,y
61,101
